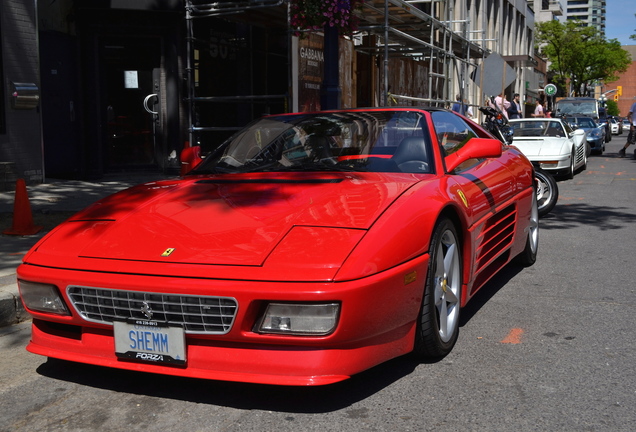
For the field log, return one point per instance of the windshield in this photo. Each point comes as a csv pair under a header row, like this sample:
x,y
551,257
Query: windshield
x,y
586,108
583,122
377,141
550,128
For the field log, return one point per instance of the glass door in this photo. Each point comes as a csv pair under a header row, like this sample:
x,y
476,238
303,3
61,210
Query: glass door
x,y
132,98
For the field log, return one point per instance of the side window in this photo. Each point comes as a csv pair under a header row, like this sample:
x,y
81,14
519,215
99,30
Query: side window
x,y
452,131
452,134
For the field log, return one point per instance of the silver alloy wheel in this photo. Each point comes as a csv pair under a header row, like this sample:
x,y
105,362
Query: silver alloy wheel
x,y
447,286
533,226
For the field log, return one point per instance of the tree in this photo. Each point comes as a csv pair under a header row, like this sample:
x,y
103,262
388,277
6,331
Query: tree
x,y
612,107
578,54
634,35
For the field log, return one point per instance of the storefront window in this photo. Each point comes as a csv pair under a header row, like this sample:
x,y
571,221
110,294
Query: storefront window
x,y
3,127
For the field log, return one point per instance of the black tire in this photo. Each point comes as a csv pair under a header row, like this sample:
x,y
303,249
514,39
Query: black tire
x,y
529,255
438,321
570,174
547,192
584,166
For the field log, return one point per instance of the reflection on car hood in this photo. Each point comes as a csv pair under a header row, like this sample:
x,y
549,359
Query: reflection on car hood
x,y
233,220
531,146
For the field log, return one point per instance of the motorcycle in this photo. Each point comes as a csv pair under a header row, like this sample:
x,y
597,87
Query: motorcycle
x,y
547,189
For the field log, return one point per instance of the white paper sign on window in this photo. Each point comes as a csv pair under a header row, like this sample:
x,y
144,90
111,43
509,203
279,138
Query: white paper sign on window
x,y
130,80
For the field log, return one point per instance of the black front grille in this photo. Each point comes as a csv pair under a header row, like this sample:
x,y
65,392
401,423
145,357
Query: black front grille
x,y
197,314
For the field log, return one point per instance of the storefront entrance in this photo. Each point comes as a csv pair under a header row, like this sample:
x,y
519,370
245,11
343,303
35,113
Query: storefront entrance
x,y
132,95
131,88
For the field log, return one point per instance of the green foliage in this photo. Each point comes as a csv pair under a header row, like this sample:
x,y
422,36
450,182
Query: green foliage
x,y
612,108
579,54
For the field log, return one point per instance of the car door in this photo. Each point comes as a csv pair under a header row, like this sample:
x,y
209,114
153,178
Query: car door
x,y
486,188
483,182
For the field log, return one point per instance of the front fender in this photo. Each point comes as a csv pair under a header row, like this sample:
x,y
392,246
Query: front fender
x,y
403,231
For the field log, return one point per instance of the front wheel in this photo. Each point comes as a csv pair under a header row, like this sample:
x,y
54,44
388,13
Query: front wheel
x,y
570,174
584,166
529,254
438,321
547,192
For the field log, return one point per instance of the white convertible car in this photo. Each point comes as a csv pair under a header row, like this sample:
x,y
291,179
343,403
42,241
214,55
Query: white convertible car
x,y
551,144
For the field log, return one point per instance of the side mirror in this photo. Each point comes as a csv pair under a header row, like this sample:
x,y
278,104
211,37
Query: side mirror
x,y
190,158
474,148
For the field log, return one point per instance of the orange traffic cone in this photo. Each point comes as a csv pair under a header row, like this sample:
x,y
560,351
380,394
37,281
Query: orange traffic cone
x,y
22,217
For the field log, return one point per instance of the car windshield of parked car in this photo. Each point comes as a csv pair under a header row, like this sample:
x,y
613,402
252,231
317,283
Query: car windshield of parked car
x,y
588,107
376,141
583,122
547,128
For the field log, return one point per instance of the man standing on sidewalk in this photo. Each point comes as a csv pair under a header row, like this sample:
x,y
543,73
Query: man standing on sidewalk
x,y
514,112
630,136
538,110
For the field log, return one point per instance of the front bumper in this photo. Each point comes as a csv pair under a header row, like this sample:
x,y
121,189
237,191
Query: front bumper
x,y
596,144
554,165
376,323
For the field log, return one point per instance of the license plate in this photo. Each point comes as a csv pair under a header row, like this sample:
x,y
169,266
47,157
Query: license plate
x,y
149,341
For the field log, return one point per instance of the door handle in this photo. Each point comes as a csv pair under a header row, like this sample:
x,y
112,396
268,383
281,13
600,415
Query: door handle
x,y
146,107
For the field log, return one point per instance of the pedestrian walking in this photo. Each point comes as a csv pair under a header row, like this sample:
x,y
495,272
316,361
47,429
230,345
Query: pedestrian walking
x,y
630,136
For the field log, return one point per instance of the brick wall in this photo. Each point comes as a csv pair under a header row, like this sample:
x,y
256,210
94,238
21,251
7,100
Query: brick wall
x,y
628,81
21,144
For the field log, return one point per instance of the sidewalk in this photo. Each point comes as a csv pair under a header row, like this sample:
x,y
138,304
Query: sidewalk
x,y
51,203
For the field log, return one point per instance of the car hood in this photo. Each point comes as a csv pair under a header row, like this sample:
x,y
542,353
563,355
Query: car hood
x,y
531,146
231,220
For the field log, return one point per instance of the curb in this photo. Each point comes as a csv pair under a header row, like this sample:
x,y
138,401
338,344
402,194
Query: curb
x,y
11,308
51,203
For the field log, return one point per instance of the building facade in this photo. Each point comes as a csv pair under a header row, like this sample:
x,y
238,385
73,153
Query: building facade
x,y
591,12
124,84
627,82
20,117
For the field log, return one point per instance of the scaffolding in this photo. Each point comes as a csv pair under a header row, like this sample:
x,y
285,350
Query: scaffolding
x,y
254,11
400,29
406,31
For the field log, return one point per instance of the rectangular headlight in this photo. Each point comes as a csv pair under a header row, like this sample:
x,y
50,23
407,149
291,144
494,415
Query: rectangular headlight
x,y
299,319
42,298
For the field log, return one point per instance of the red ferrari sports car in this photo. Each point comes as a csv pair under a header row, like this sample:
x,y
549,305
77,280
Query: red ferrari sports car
x,y
305,249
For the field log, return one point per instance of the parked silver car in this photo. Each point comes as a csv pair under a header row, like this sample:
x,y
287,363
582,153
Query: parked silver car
x,y
626,125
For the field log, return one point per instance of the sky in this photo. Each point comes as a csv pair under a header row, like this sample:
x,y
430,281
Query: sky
x,y
620,22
